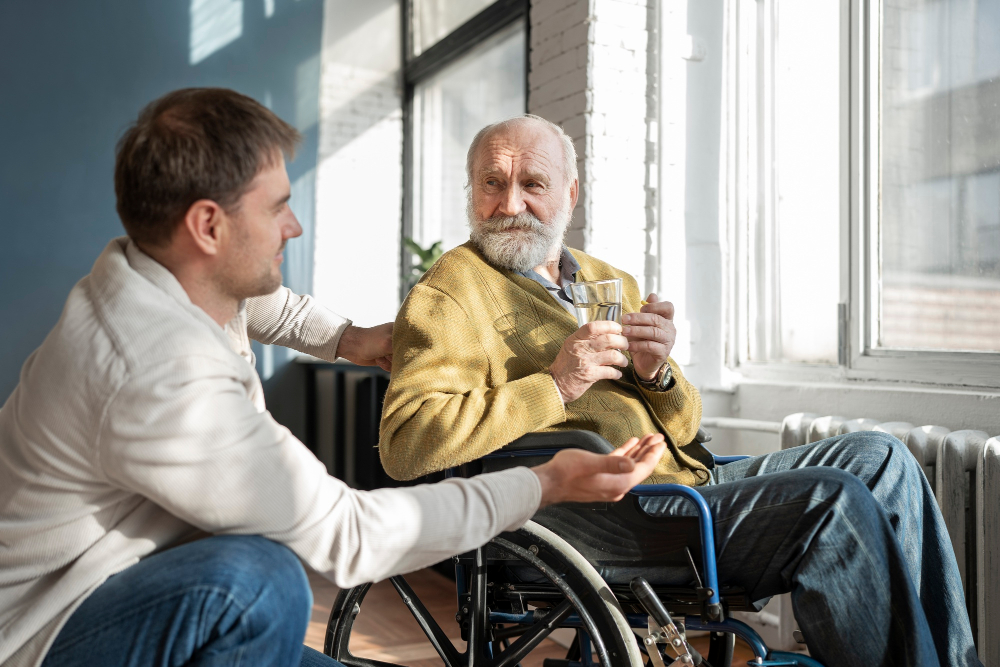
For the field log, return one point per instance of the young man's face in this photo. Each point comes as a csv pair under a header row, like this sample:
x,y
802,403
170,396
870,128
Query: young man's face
x,y
259,229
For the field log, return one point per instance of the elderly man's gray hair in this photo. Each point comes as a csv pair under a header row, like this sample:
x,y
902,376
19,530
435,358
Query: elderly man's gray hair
x,y
569,150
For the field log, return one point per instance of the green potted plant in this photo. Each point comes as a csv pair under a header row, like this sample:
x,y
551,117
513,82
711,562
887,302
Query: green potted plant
x,y
424,259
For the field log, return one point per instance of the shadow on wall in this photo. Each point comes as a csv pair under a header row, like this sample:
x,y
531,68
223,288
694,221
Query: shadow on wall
x,y
74,78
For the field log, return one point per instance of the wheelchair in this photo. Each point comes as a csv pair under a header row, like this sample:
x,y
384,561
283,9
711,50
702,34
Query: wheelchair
x,y
607,570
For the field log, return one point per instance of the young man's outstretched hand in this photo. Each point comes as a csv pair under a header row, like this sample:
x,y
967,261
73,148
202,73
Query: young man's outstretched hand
x,y
574,475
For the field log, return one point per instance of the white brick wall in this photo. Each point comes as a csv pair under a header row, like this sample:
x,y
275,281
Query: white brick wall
x,y
589,73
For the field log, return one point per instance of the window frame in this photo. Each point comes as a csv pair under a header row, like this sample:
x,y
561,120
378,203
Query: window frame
x,y
858,358
432,60
966,369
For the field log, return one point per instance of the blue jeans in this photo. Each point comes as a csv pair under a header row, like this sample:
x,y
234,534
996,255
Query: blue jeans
x,y
850,527
220,601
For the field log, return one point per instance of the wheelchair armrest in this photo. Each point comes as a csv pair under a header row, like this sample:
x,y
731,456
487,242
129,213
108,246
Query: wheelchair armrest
x,y
706,529
587,440
723,460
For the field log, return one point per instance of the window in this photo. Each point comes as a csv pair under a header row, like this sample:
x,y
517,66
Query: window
x,y
458,79
789,286
435,19
449,107
939,176
864,179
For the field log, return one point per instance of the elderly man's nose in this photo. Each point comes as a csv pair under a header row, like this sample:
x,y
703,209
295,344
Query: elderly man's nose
x,y
512,202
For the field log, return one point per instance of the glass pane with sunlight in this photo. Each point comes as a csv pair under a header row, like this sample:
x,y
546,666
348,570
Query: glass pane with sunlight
x,y
484,86
433,20
794,244
940,175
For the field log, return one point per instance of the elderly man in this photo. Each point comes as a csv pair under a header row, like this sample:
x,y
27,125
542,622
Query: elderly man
x,y
490,341
487,349
139,426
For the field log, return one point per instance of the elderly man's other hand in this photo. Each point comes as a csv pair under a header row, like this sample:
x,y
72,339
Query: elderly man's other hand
x,y
574,475
367,346
587,356
651,335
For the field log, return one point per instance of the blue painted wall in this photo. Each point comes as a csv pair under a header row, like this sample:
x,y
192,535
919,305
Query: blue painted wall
x,y
73,75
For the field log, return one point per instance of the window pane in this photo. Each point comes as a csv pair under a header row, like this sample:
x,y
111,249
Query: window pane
x,y
794,242
435,19
940,175
482,87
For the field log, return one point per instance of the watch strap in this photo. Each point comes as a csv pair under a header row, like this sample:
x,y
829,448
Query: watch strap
x,y
662,381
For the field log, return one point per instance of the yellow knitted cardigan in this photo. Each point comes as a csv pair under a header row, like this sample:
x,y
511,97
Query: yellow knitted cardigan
x,y
472,345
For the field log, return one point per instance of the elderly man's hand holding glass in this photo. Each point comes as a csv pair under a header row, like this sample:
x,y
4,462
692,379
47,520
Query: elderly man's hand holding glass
x,y
651,335
596,349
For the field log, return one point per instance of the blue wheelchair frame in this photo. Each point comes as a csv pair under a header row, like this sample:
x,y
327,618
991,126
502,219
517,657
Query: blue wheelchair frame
x,y
764,656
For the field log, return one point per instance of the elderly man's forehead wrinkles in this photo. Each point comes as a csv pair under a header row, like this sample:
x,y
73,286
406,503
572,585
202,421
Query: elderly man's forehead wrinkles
x,y
500,157
504,171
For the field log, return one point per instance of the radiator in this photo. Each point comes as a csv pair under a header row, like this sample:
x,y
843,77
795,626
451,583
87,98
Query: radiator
x,y
963,468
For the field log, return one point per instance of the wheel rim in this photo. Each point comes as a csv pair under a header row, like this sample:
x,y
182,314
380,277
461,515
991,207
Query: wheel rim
x,y
584,593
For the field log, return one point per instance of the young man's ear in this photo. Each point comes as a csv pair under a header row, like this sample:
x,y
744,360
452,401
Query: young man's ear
x,y
204,222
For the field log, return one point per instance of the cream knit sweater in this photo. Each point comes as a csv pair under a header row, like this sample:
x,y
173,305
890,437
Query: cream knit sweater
x,y
139,421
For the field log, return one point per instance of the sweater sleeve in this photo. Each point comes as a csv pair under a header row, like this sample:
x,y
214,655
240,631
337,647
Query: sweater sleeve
x,y
186,436
440,410
295,321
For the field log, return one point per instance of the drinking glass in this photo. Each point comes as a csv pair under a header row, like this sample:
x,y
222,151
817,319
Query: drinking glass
x,y
597,300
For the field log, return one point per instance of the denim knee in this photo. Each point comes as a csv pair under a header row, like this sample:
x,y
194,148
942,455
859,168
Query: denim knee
x,y
851,493
893,451
254,567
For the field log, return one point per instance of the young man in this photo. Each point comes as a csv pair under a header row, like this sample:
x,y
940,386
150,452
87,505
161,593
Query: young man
x,y
139,425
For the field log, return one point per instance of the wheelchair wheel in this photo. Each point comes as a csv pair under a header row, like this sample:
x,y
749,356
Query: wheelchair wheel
x,y
567,591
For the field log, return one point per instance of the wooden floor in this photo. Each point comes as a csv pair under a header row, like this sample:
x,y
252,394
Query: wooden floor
x,y
385,630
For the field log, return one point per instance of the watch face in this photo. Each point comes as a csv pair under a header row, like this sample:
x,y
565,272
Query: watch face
x,y
666,375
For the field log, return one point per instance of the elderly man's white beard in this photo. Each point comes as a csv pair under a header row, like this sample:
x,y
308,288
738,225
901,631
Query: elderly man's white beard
x,y
520,242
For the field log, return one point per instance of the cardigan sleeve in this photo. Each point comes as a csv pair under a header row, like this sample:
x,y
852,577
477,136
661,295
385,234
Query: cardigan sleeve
x,y
295,321
440,410
185,436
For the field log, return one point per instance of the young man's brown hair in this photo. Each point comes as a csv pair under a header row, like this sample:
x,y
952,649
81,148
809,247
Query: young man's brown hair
x,y
191,144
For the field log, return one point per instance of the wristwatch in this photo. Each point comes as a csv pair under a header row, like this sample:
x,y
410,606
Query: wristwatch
x,y
662,381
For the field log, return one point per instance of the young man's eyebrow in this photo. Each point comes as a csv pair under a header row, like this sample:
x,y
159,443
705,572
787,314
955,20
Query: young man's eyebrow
x,y
283,199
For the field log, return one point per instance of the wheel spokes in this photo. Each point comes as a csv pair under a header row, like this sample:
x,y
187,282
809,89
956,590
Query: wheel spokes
x,y
439,640
533,636
476,646
553,576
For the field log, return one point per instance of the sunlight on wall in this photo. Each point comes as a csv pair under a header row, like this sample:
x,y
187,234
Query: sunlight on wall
x,y
214,23
307,93
297,258
268,8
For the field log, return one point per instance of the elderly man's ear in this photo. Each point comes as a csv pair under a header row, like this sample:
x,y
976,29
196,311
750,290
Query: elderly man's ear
x,y
574,193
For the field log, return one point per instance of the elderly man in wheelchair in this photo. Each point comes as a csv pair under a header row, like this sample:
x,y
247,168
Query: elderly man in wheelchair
x,y
491,370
